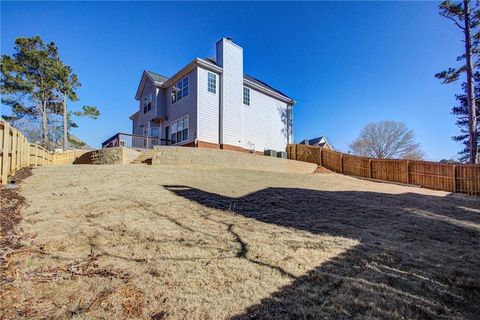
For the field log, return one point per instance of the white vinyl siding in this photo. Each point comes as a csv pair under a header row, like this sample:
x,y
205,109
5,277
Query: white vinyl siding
x,y
208,108
265,123
230,58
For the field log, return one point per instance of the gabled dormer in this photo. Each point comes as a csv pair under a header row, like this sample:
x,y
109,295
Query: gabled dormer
x,y
151,96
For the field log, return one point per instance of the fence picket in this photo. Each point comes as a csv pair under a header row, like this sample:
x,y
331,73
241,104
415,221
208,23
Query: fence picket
x,y
461,178
17,152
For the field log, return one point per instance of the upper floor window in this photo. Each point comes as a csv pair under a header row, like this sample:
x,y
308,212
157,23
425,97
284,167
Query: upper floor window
x,y
246,96
212,82
179,132
147,103
180,90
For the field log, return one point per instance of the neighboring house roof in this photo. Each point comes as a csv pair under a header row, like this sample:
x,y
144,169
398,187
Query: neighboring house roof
x,y
253,79
314,140
320,141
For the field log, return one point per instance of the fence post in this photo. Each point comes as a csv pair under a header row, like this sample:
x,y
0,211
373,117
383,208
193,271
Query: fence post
x,y
370,168
13,148
341,163
407,173
454,177
296,151
27,151
20,151
6,134
36,155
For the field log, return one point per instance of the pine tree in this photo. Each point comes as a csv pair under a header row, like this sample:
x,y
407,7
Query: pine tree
x,y
36,84
67,83
27,83
461,112
467,19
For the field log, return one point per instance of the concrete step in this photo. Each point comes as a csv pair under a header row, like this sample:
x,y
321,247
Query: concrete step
x,y
145,157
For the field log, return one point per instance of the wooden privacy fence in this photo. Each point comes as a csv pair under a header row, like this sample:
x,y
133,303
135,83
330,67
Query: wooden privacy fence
x,y
462,178
17,152
67,157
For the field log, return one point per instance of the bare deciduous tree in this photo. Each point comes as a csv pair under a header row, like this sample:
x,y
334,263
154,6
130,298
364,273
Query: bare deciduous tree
x,y
387,140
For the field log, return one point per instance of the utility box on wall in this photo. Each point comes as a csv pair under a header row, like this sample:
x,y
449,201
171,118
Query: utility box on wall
x,y
270,153
281,154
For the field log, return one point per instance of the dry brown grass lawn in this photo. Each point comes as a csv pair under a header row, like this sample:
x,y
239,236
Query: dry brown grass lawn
x,y
153,242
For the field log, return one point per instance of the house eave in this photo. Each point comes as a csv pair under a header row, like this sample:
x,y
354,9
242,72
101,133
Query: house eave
x,y
208,65
269,92
133,116
189,67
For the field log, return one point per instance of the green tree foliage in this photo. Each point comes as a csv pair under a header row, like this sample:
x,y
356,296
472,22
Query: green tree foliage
x,y
461,112
27,83
37,84
466,16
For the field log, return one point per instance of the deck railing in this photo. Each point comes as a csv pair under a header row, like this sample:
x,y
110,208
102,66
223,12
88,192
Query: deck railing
x,y
134,141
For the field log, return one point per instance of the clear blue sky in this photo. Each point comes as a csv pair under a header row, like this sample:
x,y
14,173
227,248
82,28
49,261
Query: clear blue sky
x,y
346,63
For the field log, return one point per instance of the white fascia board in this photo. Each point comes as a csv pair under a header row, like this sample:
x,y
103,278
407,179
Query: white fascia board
x,y
208,65
269,92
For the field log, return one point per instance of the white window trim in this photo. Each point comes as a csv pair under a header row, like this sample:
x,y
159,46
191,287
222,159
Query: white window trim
x,y
214,82
174,125
146,100
246,89
174,100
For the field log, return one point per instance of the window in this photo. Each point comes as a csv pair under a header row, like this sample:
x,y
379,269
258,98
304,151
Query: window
x,y
147,103
212,82
179,129
180,90
246,96
155,132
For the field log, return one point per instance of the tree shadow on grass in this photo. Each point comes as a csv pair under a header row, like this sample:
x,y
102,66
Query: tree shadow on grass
x,y
418,257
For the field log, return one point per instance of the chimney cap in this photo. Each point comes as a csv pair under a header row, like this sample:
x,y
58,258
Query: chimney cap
x,y
229,38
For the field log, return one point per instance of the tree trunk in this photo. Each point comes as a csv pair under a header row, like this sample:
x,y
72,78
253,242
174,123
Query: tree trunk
x,y
472,119
65,125
44,124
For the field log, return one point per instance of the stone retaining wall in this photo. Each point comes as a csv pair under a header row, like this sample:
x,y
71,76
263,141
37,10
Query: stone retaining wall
x,y
211,158
118,155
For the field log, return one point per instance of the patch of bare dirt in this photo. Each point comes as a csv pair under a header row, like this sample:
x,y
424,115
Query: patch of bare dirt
x,y
11,204
322,170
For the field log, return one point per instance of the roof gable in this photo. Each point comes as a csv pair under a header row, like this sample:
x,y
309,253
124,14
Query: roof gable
x,y
155,78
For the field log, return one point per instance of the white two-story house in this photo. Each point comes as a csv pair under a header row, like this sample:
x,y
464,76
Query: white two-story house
x,y
212,103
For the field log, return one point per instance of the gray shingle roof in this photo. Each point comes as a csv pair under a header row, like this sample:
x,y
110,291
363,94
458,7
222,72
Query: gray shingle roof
x,y
312,141
156,77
